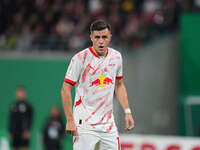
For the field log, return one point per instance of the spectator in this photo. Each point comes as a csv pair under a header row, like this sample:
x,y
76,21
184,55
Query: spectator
x,y
53,130
62,24
25,40
21,114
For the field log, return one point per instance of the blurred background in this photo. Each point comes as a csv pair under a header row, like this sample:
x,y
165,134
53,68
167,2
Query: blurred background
x,y
159,42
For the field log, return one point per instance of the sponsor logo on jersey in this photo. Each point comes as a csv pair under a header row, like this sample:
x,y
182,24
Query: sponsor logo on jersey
x,y
102,81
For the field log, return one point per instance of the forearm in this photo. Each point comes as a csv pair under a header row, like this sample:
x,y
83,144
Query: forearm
x,y
121,93
67,102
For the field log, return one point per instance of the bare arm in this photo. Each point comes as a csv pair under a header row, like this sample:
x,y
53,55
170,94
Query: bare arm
x,y
67,105
121,93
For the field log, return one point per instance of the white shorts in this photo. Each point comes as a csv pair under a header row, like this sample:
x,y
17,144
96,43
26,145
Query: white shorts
x,y
87,140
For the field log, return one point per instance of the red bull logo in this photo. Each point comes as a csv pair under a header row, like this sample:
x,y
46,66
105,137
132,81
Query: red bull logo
x,y
102,81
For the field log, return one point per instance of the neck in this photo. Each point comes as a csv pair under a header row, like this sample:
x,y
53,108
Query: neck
x,y
99,54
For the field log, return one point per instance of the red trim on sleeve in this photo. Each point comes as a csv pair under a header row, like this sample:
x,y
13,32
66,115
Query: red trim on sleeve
x,y
69,81
119,77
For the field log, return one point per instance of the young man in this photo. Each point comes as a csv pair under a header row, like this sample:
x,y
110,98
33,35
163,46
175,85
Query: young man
x,y
97,73
20,121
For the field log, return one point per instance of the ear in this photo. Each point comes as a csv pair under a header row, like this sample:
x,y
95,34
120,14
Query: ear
x,y
110,36
91,37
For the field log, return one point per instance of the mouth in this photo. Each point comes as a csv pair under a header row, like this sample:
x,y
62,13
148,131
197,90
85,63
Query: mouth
x,y
101,47
101,50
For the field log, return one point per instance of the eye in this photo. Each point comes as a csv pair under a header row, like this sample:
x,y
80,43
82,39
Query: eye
x,y
97,37
104,37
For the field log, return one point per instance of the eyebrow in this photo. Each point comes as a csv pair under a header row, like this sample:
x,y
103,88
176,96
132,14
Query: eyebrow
x,y
103,36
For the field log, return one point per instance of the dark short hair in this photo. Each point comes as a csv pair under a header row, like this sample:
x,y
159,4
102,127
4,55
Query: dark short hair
x,y
98,25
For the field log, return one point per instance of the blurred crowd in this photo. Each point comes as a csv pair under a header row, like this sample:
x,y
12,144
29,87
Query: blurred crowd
x,y
63,25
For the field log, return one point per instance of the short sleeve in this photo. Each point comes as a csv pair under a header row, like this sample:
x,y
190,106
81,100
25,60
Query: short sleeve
x,y
120,69
73,71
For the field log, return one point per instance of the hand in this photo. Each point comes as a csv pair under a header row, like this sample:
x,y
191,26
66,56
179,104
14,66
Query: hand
x,y
129,121
26,134
71,128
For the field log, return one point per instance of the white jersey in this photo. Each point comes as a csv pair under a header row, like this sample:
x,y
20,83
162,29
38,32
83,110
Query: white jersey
x,y
94,77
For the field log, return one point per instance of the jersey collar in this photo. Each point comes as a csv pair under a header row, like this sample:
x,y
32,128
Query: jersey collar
x,y
91,50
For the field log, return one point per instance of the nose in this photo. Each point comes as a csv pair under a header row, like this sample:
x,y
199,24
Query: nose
x,y
101,40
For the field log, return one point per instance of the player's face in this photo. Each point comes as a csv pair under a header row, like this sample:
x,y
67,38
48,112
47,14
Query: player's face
x,y
100,40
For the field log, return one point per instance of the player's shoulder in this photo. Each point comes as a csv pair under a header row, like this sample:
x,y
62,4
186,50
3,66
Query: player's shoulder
x,y
79,55
114,52
83,51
